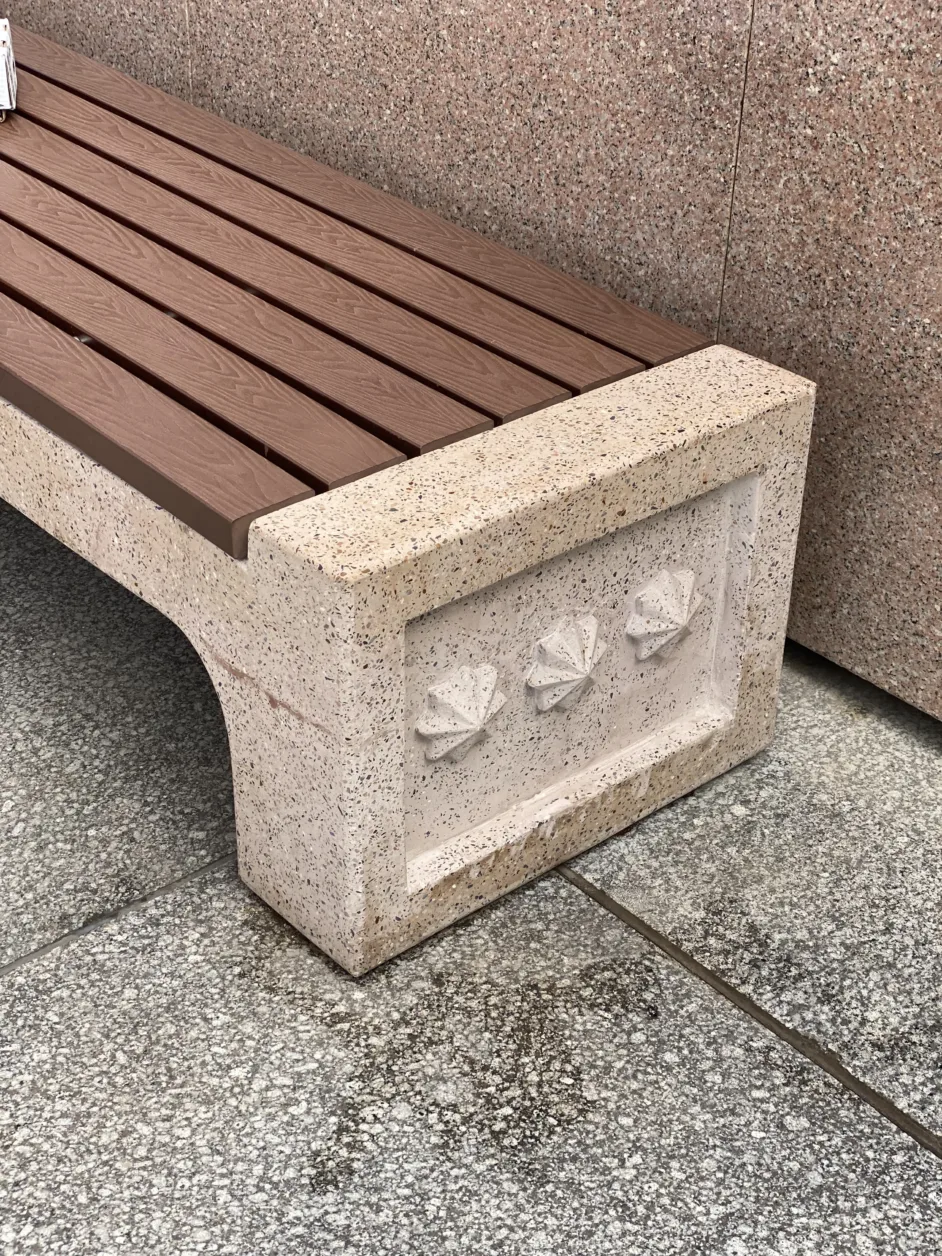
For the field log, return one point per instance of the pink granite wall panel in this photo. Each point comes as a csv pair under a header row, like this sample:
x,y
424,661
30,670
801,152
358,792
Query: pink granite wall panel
x,y
598,137
149,39
835,271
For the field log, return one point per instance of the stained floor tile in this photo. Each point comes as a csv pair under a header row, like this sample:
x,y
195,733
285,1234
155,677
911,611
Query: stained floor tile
x,y
811,878
194,1077
114,767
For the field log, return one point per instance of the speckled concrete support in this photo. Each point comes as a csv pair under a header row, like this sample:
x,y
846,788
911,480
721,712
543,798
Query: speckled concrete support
x,y
444,679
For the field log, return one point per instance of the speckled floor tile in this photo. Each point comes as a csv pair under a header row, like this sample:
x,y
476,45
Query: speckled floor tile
x,y
810,878
194,1077
114,766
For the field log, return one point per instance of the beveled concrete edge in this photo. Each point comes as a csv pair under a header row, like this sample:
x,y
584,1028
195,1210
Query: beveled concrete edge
x,y
454,493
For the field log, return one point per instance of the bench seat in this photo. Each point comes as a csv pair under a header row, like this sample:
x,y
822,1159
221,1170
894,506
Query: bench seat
x,y
490,644
261,300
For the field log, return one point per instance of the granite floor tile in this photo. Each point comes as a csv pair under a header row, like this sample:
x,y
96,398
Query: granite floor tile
x,y
194,1077
810,878
114,766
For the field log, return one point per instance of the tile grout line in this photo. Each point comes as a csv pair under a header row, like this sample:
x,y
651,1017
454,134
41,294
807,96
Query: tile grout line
x,y
811,1050
116,913
732,190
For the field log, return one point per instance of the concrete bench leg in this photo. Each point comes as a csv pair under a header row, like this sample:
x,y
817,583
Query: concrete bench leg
x,y
444,679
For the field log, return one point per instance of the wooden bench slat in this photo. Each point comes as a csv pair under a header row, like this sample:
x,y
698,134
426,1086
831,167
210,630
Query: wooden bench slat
x,y
205,478
528,338
320,446
383,397
635,331
498,387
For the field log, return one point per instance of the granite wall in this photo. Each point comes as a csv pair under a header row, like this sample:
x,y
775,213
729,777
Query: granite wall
x,y
767,172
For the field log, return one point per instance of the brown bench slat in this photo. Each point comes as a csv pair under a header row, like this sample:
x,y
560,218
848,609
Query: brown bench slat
x,y
637,332
498,387
202,476
528,338
320,446
383,397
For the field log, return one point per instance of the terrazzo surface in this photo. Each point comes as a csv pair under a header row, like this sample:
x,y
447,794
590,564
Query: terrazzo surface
x,y
303,640
810,878
114,777
196,1078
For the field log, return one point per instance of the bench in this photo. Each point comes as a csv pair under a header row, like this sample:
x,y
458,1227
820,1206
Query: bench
x,y
484,562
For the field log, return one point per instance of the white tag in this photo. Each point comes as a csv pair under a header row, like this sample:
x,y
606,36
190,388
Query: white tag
x,y
7,68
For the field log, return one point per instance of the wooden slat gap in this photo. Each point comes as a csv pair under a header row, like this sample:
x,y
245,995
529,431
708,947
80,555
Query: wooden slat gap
x,y
463,370
283,377
209,416
285,306
169,134
322,264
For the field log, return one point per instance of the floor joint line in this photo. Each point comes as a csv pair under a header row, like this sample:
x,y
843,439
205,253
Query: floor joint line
x,y
115,913
807,1047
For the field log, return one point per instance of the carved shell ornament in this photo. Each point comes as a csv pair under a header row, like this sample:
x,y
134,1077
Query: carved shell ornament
x,y
661,613
563,662
457,712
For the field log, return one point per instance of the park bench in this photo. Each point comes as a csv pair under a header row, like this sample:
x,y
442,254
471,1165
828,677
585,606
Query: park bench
x,y
484,562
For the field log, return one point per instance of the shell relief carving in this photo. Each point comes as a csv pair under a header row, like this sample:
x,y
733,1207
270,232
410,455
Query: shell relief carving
x,y
563,663
661,613
457,712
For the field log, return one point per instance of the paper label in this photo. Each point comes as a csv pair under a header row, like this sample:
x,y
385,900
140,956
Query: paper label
x,y
8,67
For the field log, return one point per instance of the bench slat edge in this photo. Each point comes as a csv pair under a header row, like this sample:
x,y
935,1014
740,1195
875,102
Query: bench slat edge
x,y
448,361
573,302
202,476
